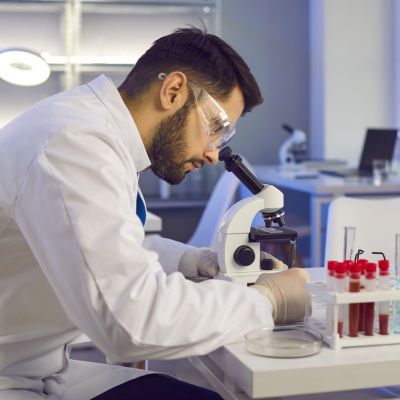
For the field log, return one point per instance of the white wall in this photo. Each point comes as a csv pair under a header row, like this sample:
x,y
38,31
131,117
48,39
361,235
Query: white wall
x,y
273,37
352,64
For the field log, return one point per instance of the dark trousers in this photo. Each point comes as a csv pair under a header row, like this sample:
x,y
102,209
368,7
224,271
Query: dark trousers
x,y
158,387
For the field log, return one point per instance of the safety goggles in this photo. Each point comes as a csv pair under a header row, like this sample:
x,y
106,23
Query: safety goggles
x,y
215,122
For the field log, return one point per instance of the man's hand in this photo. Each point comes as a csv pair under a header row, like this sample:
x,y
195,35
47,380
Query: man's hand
x,y
199,262
286,292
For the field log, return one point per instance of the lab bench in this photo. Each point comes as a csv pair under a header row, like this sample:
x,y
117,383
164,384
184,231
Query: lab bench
x,y
239,375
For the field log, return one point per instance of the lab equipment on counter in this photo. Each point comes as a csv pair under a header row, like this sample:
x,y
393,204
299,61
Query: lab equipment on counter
x,y
238,243
377,294
369,316
293,145
289,341
384,284
349,240
354,308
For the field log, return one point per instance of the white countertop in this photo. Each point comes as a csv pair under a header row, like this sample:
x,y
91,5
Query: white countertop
x,y
328,371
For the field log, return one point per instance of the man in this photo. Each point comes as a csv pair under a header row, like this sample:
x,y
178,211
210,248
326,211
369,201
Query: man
x,y
73,254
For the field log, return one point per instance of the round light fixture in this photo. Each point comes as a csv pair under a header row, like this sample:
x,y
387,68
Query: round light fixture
x,y
23,67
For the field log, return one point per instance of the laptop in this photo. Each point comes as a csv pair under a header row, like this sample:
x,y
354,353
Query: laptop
x,y
379,144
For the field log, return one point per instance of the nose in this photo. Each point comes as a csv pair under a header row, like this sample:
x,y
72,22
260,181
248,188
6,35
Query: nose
x,y
211,155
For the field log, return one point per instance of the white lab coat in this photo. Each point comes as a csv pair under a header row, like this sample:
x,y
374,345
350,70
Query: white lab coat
x,y
73,257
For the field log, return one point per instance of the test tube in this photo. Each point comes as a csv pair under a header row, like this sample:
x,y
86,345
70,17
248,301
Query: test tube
x,y
331,279
347,264
340,284
370,285
396,327
384,284
349,242
354,308
363,262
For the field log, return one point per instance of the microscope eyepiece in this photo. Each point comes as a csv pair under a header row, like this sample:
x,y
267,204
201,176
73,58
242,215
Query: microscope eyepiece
x,y
233,163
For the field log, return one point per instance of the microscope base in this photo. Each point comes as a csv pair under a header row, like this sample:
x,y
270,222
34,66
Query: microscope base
x,y
245,279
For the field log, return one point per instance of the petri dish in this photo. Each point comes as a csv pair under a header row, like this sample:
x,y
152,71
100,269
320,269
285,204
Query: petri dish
x,y
284,342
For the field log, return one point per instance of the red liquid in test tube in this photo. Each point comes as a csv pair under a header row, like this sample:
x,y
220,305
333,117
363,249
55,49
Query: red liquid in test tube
x,y
354,308
384,284
363,262
370,286
340,284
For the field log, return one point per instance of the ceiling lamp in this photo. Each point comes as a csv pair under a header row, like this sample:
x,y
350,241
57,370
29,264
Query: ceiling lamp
x,y
23,67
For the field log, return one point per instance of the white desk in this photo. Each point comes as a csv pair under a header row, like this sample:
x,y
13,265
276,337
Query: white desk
x,y
237,374
322,190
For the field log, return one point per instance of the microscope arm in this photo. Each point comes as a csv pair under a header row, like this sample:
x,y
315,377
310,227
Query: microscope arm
x,y
271,196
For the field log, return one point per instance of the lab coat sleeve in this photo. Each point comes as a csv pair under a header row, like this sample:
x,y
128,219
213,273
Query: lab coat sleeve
x,y
76,210
169,251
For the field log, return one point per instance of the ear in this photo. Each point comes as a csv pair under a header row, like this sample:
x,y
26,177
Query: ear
x,y
173,91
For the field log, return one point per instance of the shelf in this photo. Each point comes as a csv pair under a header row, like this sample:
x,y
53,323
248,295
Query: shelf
x,y
152,3
101,5
77,48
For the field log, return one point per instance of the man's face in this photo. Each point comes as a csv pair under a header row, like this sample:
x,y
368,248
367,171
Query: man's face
x,y
169,146
180,143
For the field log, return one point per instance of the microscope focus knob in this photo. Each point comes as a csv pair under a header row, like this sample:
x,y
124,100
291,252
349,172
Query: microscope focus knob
x,y
244,256
267,264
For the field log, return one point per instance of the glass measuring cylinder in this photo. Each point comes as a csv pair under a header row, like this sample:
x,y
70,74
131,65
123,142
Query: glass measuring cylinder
x,y
349,242
340,286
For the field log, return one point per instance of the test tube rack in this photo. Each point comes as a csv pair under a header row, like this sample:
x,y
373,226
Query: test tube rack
x,y
325,319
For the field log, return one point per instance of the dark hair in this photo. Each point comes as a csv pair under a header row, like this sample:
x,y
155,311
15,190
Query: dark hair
x,y
205,58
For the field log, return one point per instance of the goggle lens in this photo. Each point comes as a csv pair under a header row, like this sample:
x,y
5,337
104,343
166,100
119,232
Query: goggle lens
x,y
216,122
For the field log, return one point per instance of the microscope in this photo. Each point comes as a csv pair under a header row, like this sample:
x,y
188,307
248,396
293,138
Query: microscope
x,y
294,144
238,243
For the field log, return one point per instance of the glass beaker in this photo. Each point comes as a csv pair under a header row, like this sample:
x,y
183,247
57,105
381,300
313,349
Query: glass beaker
x,y
380,171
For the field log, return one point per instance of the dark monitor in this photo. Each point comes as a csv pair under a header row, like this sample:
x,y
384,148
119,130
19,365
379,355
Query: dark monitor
x,y
379,144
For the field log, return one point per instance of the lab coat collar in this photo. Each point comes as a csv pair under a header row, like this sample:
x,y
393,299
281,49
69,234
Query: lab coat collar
x,y
108,94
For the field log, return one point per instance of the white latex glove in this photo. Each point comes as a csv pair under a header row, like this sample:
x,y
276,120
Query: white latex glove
x,y
287,294
199,262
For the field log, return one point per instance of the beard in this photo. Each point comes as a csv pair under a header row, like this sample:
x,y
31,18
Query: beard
x,y
167,149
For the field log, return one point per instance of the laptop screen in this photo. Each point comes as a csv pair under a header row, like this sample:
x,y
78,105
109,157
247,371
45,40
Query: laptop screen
x,y
379,144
